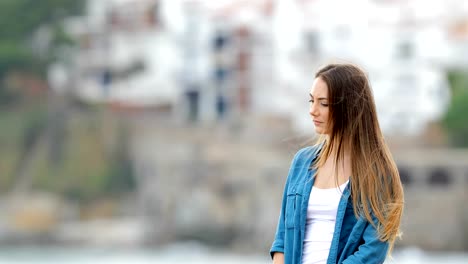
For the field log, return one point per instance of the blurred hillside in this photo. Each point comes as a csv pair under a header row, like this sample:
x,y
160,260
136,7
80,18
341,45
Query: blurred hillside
x,y
50,142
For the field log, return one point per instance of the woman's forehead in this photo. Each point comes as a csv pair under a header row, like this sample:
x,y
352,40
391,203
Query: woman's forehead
x,y
319,88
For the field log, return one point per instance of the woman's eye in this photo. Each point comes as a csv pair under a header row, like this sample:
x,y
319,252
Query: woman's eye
x,y
324,104
311,101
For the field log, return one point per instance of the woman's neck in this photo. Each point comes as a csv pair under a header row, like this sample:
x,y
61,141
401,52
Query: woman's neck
x,y
343,166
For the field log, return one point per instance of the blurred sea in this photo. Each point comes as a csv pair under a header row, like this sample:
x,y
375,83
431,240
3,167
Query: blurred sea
x,y
181,253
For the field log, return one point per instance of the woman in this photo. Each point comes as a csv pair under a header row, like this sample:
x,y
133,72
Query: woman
x,y
343,198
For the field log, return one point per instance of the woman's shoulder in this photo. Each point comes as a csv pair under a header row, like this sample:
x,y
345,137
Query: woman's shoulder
x,y
301,164
305,155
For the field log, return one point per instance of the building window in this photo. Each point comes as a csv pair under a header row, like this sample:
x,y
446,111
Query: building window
x,y
312,42
405,50
439,177
405,176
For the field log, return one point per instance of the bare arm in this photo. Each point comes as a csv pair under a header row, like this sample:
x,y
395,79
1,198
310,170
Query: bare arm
x,y
278,258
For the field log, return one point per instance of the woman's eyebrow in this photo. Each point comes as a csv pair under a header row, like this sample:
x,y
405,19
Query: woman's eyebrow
x,y
320,98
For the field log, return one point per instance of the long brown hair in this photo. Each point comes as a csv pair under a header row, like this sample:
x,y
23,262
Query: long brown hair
x,y
376,188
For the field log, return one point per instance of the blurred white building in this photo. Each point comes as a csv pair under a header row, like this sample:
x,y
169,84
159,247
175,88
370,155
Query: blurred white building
x,y
125,55
398,42
258,57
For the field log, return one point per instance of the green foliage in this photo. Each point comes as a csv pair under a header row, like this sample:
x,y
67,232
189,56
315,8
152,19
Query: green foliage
x,y
15,126
14,56
19,20
87,171
120,176
456,118
77,163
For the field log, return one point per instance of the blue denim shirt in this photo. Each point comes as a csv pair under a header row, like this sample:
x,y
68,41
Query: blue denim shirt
x,y
355,240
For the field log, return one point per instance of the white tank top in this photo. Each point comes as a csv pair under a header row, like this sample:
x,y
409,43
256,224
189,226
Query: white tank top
x,y
320,223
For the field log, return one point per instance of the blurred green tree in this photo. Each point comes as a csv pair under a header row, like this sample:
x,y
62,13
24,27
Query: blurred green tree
x,y
456,118
21,22
45,139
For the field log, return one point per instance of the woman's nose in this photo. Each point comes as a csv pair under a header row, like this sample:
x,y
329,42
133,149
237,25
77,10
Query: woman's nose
x,y
313,110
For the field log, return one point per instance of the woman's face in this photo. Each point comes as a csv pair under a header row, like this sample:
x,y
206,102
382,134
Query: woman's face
x,y
319,108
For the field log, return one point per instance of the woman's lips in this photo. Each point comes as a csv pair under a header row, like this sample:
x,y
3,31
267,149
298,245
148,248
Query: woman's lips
x,y
317,122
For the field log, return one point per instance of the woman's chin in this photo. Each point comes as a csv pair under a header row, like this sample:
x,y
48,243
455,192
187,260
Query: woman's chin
x,y
320,131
